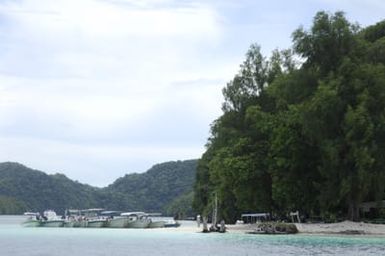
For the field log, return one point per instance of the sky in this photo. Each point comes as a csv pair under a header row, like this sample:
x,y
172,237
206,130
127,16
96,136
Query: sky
x,y
96,89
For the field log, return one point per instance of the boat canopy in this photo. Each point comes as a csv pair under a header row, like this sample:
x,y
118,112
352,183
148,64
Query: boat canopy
x,y
31,213
111,213
154,214
254,217
132,213
92,210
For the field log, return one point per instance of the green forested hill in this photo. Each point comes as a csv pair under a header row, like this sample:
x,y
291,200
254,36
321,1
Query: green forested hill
x,y
302,130
23,189
37,191
157,189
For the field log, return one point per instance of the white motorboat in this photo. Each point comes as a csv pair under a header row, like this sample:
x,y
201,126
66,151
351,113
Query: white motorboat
x,y
33,219
72,218
51,220
92,218
96,223
114,220
118,222
137,219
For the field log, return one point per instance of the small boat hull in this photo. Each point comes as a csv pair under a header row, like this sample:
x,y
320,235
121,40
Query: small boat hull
x,y
31,223
118,222
139,224
96,223
73,224
69,224
52,223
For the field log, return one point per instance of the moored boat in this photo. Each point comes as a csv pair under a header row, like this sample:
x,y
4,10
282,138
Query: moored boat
x,y
72,218
114,220
33,219
137,219
118,222
52,223
69,223
31,223
92,219
96,223
51,220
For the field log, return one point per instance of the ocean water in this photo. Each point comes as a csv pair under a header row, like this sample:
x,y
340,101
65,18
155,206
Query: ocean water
x,y
18,241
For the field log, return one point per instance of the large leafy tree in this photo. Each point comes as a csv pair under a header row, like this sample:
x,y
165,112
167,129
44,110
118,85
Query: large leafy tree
x,y
307,137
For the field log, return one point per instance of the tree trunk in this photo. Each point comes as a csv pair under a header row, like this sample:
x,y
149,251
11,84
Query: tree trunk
x,y
353,211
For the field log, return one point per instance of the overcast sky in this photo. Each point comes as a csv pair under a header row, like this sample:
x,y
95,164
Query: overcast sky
x,y
96,89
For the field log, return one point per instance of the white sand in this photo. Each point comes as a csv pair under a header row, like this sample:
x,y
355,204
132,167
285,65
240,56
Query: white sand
x,y
344,227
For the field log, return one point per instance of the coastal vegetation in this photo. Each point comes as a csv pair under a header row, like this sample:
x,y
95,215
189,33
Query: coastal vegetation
x,y
165,188
303,129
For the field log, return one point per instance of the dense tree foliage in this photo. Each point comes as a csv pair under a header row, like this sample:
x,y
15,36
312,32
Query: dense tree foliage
x,y
10,205
301,130
38,191
155,189
164,185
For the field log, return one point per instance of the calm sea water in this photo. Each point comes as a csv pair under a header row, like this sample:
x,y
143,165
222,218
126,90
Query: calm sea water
x,y
18,241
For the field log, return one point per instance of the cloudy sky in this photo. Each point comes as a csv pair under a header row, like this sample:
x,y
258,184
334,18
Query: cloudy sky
x,y
95,89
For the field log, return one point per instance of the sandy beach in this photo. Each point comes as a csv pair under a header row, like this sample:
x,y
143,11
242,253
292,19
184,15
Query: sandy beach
x,y
345,227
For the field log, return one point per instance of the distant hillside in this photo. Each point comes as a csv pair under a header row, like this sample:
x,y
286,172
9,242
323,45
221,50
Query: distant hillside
x,y
36,191
164,188
159,188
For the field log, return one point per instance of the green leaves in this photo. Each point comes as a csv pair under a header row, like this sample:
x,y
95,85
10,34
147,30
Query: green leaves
x,y
329,40
23,189
307,137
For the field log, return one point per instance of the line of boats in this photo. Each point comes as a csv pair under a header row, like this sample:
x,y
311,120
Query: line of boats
x,y
96,218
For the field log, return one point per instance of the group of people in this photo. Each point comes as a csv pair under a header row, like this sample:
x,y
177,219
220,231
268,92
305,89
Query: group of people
x,y
214,226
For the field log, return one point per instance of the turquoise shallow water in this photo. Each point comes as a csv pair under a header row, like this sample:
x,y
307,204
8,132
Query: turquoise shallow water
x,y
17,241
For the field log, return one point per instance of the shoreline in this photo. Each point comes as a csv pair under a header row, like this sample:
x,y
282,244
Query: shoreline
x,y
345,228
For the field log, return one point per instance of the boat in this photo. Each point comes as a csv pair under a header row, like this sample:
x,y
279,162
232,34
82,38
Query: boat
x,y
118,222
156,220
72,218
33,219
92,219
137,219
114,220
95,223
51,220
70,223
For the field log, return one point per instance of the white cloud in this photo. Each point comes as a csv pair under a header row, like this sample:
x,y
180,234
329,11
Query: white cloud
x,y
93,85
90,84
98,19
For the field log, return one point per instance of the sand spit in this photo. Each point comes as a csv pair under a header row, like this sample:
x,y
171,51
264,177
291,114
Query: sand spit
x,y
345,227
342,228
